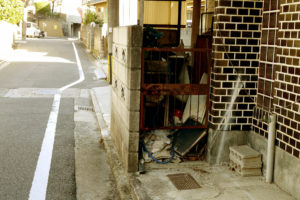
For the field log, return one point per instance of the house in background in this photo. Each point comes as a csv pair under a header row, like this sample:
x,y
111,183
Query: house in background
x,y
99,7
71,9
62,18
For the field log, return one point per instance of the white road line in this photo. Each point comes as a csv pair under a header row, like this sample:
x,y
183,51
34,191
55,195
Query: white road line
x,y
3,65
40,181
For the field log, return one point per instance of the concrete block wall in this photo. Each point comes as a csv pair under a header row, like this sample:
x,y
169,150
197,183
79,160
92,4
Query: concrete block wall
x,y
53,27
236,41
98,43
125,109
84,35
93,40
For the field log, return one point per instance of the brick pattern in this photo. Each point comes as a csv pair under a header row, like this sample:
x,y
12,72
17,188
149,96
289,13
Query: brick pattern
x,y
268,57
236,48
287,83
267,67
279,78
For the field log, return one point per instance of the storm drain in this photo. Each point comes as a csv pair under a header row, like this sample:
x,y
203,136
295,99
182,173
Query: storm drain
x,y
84,108
183,181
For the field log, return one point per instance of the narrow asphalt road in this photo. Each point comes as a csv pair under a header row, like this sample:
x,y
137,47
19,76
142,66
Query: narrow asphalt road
x,y
27,86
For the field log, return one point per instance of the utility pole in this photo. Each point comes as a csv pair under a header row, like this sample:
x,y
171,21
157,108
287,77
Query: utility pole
x,y
24,22
52,7
112,21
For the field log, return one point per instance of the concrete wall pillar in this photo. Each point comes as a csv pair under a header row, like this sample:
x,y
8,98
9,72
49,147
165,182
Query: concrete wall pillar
x,y
70,30
125,109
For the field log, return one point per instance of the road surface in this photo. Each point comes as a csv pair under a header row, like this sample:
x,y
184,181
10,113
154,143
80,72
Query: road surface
x,y
35,73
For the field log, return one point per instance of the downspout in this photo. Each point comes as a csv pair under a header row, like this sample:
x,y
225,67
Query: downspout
x,y
271,148
141,13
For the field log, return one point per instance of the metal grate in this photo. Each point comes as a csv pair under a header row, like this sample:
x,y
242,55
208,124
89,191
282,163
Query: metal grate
x,y
84,108
183,181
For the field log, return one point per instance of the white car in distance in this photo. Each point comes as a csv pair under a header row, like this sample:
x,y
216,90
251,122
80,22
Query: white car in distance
x,y
32,30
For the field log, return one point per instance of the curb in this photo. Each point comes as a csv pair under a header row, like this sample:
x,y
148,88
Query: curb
x,y
119,174
97,61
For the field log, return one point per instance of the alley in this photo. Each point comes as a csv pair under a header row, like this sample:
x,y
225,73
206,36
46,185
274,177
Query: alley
x,y
34,74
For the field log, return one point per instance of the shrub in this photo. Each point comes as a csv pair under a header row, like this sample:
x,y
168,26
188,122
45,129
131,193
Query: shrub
x,y
151,36
42,8
90,17
11,11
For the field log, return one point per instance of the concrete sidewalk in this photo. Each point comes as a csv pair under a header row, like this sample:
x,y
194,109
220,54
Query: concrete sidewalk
x,y
216,182
101,102
94,179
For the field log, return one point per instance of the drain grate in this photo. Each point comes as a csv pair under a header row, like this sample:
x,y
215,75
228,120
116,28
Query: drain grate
x,y
85,108
183,181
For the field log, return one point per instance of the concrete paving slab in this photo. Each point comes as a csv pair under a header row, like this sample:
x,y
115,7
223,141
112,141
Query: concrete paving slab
x,y
217,182
102,95
122,181
84,93
99,73
94,178
103,65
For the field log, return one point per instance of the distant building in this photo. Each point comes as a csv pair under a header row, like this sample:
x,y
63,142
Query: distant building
x,y
100,7
72,10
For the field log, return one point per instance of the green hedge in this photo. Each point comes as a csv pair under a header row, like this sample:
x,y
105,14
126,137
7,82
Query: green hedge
x,y
11,11
90,17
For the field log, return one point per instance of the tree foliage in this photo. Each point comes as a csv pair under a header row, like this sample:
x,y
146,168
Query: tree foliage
x,y
42,8
11,11
90,17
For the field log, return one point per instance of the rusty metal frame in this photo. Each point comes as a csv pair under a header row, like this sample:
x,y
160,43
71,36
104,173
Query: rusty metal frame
x,y
174,89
